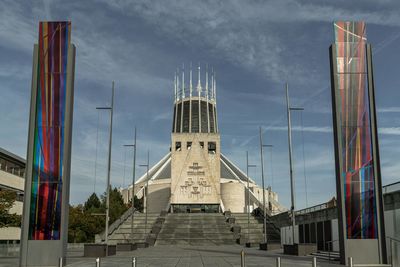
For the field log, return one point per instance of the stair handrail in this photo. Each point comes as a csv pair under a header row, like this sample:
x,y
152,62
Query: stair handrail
x,y
117,222
329,249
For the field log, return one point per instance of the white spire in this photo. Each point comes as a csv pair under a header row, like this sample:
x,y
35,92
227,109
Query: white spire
x,y
215,87
177,83
199,83
190,84
183,81
207,81
175,87
212,83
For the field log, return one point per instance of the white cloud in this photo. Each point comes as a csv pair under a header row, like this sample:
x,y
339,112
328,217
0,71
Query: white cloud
x,y
389,110
389,130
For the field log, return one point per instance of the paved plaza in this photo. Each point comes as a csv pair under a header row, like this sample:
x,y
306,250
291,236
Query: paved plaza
x,y
196,256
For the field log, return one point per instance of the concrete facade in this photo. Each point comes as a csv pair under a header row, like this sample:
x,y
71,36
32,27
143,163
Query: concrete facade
x,y
195,168
195,171
233,196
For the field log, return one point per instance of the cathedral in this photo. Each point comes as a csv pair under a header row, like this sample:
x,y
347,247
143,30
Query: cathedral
x,y
195,176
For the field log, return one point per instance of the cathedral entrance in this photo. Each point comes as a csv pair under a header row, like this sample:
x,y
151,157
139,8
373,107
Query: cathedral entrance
x,y
195,208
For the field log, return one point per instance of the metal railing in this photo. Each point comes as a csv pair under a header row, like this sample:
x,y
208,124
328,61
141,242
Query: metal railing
x,y
323,206
330,248
118,222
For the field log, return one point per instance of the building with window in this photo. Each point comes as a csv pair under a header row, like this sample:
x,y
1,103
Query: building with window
x,y
12,178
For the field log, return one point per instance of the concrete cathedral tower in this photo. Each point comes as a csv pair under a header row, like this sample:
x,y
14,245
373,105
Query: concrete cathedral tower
x,y
195,144
195,176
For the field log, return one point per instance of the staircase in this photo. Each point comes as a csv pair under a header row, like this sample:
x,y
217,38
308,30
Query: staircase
x,y
333,256
140,231
198,229
253,232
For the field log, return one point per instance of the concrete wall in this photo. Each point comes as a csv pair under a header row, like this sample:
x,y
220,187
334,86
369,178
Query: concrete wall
x,y
335,234
233,196
10,233
195,173
286,235
392,228
11,181
17,208
158,196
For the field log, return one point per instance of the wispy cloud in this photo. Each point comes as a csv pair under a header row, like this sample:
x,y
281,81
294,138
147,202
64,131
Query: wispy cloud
x,y
389,130
389,110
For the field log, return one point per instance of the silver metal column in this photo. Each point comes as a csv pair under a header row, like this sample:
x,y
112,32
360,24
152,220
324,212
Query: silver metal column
x,y
290,162
248,195
109,162
133,184
263,183
146,189
292,185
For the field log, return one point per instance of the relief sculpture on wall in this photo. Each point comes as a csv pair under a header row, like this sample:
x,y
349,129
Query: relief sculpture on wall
x,y
196,186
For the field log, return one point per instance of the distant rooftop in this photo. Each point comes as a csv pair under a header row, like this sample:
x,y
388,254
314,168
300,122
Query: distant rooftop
x,y
11,163
9,154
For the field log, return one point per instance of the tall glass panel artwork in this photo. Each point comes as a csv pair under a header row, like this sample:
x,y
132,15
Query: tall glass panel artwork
x,y
47,169
354,131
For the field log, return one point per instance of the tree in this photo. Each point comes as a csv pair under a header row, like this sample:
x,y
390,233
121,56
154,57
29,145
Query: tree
x,y
85,221
7,200
76,222
93,203
117,205
138,204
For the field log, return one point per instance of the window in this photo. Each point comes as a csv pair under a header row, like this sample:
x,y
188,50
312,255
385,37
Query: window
x,y
212,147
201,144
178,146
189,145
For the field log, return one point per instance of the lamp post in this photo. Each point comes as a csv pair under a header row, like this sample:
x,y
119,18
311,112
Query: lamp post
x,y
290,160
263,184
109,163
133,183
146,188
248,197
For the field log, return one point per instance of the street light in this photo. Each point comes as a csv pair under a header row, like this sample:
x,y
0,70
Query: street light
x,y
146,191
248,197
290,158
263,184
109,162
133,183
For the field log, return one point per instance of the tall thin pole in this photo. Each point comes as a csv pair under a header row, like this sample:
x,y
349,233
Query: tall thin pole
x,y
263,183
290,162
263,186
146,190
109,166
133,186
248,197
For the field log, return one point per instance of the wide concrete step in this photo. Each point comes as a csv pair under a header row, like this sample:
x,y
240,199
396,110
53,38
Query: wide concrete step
x,y
194,222
195,236
195,229
120,234
142,225
191,226
194,242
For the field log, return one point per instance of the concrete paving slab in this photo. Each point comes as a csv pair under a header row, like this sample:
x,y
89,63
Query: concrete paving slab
x,y
180,256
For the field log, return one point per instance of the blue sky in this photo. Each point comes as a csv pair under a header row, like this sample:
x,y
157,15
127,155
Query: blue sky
x,y
255,47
